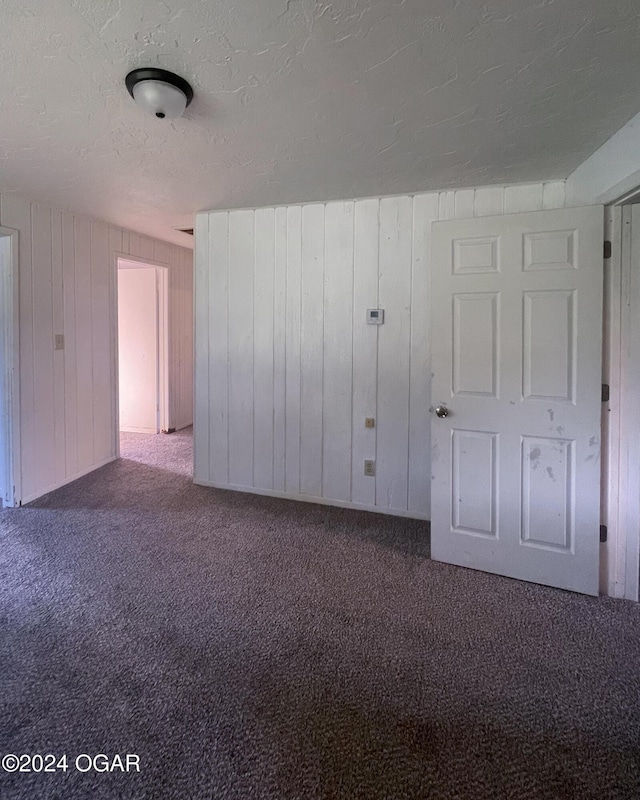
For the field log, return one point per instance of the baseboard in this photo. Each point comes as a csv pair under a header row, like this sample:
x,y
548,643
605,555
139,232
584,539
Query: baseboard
x,y
30,498
305,498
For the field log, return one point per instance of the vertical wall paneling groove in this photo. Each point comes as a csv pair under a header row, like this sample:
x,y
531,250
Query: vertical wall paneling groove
x,y
488,201
447,205
27,345
523,198
263,364
57,299
279,347
43,373
553,195
304,359
84,339
160,251
292,349
338,351
70,358
101,346
115,246
464,203
425,208
241,339
218,346
147,248
365,348
394,353
135,245
202,318
311,349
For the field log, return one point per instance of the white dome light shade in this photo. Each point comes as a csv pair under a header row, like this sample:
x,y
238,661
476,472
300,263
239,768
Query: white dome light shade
x,y
159,92
160,98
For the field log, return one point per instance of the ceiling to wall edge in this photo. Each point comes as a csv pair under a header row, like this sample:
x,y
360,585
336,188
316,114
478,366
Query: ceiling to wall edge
x,y
419,193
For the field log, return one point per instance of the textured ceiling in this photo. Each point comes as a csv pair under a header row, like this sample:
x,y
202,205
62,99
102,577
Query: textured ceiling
x,y
301,100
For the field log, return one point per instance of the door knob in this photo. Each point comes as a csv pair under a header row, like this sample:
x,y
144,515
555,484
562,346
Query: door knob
x,y
442,412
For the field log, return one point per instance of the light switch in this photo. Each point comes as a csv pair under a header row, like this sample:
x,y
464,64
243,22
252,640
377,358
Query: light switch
x,y
59,341
369,422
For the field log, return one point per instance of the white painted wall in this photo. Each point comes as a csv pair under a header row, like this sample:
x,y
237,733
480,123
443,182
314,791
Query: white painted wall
x,y
4,425
612,171
286,368
6,306
67,279
138,350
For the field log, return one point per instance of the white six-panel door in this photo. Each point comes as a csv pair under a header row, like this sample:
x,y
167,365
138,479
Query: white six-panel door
x,y
516,343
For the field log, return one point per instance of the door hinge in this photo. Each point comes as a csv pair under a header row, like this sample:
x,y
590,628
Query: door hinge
x,y
603,534
605,393
607,249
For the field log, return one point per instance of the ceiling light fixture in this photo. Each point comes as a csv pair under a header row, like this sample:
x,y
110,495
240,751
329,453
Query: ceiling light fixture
x,y
159,92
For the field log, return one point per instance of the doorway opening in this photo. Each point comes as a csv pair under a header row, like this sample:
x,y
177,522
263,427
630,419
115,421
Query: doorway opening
x,y
10,492
143,348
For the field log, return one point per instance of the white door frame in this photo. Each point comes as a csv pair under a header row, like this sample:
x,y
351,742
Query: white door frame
x,y
162,273
10,374
621,415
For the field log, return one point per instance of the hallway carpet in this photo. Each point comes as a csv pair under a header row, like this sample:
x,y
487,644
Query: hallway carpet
x,y
246,647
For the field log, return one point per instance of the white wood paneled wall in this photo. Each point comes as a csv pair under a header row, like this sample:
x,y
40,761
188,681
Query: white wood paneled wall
x,y
286,367
67,285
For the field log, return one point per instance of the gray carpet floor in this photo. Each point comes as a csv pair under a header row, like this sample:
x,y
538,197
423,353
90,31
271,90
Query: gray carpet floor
x,y
246,647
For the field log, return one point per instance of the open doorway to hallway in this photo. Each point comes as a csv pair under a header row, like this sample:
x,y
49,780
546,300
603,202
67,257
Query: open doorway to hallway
x,y
142,347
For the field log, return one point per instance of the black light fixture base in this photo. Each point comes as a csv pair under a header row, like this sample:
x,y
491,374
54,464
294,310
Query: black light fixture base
x,y
157,74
